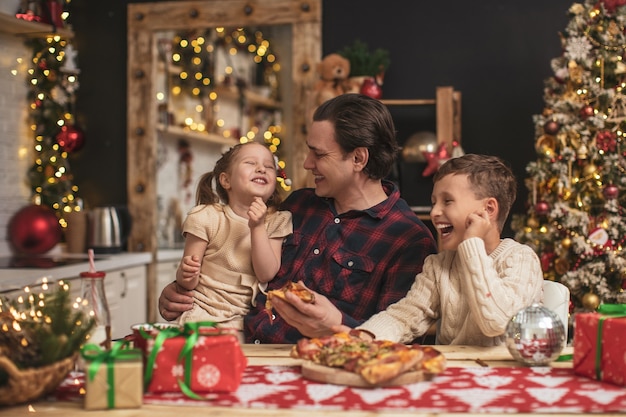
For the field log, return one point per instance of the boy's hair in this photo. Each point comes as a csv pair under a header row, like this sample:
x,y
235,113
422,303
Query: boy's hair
x,y
362,121
205,194
489,175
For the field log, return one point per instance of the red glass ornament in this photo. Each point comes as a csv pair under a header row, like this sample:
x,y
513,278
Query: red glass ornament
x,y
34,230
542,208
70,138
371,88
610,192
551,127
586,111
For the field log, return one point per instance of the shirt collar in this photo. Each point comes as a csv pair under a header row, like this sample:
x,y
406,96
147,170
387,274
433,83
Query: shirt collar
x,y
378,211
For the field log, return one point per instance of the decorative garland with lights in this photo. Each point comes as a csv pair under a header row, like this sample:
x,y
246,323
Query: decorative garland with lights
x,y
193,55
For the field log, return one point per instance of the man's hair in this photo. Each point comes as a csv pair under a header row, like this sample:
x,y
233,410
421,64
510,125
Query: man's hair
x,y
361,121
489,175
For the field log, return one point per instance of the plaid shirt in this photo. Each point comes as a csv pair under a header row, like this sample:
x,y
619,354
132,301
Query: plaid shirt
x,y
362,261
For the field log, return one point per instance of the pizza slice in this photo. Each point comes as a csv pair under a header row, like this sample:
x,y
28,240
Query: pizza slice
x,y
296,288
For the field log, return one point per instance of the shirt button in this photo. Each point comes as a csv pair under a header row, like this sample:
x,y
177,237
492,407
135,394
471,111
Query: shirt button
x,y
350,263
257,342
337,220
316,251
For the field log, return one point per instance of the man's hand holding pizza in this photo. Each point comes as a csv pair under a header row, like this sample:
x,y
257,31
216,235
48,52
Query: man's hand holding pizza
x,y
312,318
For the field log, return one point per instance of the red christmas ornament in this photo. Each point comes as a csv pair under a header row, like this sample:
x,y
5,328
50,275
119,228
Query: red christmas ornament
x,y
70,138
586,112
610,192
435,159
371,88
34,230
606,141
551,127
542,208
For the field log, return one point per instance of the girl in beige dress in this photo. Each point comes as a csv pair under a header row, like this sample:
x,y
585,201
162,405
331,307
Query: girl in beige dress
x,y
233,236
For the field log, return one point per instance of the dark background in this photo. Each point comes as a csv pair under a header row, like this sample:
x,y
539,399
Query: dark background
x,y
495,52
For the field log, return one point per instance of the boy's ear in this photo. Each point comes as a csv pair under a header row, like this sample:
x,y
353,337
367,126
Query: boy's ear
x,y
491,205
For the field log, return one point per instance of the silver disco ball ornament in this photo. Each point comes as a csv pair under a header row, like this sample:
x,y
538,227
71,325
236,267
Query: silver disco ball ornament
x,y
535,335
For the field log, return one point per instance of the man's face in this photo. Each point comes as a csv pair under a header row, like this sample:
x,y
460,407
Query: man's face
x,y
332,170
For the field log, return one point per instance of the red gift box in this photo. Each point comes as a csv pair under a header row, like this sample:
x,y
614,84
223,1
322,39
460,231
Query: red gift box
x,y
599,341
200,361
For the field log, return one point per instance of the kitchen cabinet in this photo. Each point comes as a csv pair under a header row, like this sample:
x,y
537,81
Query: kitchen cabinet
x,y
126,295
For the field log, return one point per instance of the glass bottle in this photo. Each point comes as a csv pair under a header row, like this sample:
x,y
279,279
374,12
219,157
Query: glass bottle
x,y
92,291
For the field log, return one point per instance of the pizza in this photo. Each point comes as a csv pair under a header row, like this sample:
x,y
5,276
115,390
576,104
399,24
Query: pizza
x,y
296,288
376,361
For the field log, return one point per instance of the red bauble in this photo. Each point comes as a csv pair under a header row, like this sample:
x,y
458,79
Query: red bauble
x,y
542,208
34,230
610,192
551,127
586,112
371,88
70,138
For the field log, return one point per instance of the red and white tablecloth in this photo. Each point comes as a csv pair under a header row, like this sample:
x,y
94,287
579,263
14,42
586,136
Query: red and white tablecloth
x,y
476,389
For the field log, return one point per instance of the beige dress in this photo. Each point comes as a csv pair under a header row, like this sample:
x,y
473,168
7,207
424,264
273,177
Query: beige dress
x,y
227,285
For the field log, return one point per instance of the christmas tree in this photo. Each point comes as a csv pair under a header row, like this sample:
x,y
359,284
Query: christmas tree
x,y
577,186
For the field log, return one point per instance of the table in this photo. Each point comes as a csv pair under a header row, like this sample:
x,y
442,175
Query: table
x,y
458,356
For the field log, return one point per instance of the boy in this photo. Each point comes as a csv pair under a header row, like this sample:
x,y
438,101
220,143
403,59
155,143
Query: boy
x,y
477,281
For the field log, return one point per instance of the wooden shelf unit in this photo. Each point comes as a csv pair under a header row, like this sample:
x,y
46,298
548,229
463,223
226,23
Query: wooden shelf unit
x,y
21,27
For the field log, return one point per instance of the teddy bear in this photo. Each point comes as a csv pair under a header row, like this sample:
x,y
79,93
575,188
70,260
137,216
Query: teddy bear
x,y
333,71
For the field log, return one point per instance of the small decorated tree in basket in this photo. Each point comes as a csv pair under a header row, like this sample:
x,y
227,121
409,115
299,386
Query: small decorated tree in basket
x,y
367,67
41,332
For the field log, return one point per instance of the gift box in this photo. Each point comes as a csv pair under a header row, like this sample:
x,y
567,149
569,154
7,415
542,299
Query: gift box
x,y
599,341
113,378
195,360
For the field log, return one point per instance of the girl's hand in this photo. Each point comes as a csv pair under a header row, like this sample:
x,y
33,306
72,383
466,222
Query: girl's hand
x,y
190,267
256,212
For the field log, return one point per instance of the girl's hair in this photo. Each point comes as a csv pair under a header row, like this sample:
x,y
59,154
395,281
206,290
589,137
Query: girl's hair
x,y
361,121
206,194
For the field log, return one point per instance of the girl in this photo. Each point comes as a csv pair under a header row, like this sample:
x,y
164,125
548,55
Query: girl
x,y
233,236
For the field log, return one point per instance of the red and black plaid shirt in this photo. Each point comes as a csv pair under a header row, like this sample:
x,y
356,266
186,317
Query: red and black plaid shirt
x,y
362,261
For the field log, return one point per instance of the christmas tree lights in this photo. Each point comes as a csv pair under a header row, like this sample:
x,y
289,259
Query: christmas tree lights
x,y
577,187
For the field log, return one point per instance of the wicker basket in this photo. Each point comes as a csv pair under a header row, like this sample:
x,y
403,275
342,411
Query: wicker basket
x,y
30,384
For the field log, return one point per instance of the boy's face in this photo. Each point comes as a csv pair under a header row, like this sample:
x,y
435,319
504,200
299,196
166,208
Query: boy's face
x,y
452,201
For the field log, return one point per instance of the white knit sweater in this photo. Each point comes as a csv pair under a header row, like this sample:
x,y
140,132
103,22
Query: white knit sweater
x,y
472,294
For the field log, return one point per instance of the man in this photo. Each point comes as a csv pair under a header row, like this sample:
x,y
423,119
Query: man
x,y
356,243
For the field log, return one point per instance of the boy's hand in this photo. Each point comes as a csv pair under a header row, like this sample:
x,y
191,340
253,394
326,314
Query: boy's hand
x,y
477,225
256,212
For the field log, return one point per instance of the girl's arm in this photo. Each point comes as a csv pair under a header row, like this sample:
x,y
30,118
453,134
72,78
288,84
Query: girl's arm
x,y
265,251
188,272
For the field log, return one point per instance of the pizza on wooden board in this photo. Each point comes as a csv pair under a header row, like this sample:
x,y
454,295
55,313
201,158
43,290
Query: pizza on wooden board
x,y
296,288
375,361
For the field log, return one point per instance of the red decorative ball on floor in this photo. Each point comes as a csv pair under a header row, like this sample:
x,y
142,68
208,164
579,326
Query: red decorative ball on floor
x,y
34,230
70,138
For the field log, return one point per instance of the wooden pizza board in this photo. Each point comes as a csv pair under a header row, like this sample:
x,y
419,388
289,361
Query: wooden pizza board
x,y
336,376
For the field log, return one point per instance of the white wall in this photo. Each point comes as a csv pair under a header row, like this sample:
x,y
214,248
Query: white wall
x,y
16,140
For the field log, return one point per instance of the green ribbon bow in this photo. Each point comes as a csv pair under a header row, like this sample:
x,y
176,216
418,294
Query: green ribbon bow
x,y
610,311
191,331
97,356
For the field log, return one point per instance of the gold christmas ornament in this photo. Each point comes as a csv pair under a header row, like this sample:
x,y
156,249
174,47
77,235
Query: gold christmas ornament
x,y
589,169
561,266
546,144
566,243
532,222
591,301
582,152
